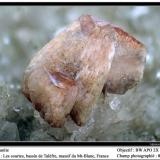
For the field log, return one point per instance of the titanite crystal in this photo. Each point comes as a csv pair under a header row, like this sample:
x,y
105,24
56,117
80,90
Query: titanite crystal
x,y
69,73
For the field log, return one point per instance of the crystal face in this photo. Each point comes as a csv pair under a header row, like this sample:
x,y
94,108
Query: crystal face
x,y
60,84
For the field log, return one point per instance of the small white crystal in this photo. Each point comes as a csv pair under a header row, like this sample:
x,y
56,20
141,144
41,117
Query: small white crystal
x,y
6,40
149,59
16,109
139,11
115,104
158,75
11,86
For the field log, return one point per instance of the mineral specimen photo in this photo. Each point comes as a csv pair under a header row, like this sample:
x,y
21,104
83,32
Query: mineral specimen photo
x,y
68,74
86,73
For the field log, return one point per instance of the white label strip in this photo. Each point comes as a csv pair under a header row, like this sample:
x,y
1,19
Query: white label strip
x,y
78,153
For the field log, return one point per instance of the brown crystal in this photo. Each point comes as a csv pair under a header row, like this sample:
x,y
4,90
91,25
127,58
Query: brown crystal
x,y
68,74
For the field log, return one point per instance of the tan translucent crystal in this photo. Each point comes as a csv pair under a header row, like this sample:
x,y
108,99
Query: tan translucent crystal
x,y
69,73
